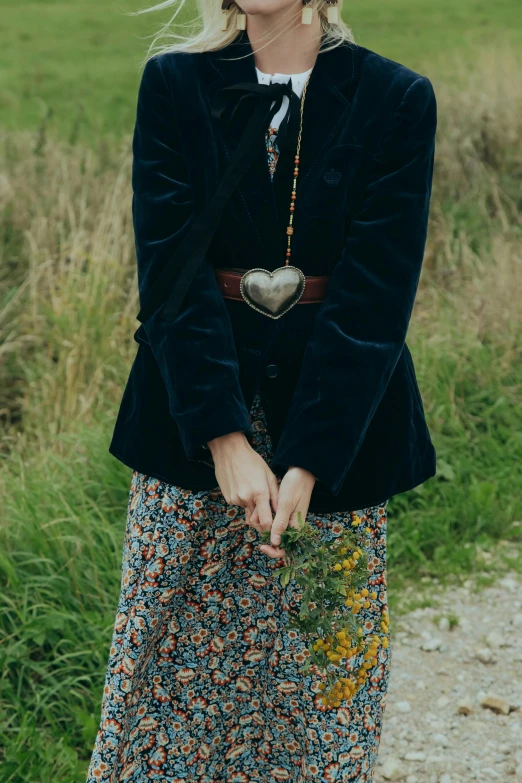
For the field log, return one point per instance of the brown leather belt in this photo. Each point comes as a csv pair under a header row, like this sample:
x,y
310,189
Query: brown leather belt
x,y
229,280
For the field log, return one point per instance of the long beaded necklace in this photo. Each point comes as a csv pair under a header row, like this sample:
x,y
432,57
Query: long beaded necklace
x,y
290,228
275,293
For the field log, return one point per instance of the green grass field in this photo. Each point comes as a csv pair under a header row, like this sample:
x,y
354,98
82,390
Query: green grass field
x,y
69,72
77,63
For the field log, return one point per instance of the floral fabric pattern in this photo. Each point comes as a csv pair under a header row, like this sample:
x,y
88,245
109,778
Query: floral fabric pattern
x,y
203,682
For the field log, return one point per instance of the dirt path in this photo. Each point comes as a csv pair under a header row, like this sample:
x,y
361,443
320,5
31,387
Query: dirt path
x,y
436,730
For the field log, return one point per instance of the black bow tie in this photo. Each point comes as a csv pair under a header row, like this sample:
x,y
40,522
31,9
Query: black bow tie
x,y
230,101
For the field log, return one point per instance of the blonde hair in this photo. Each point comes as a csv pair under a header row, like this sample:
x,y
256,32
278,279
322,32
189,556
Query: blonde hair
x,y
203,33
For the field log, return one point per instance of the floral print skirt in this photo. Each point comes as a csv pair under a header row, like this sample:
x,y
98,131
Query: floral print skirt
x,y
203,682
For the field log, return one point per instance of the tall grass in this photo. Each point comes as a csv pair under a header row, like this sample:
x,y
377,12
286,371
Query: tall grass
x,y
67,303
67,284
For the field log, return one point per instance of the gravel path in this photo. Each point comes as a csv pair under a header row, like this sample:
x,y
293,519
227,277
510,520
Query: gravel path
x,y
438,726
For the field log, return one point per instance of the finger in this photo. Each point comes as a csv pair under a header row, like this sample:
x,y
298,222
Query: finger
x,y
247,505
277,551
272,551
278,527
273,487
294,520
280,523
264,512
254,521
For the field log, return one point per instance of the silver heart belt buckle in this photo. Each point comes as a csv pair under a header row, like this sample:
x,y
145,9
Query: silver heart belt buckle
x,y
273,293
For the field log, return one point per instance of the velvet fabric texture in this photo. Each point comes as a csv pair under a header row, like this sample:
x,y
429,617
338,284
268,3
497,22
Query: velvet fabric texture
x,y
336,379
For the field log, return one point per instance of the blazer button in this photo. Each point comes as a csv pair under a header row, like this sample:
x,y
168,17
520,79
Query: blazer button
x,y
272,370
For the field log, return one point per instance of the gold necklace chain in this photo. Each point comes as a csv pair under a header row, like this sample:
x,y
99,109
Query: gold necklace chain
x,y
290,227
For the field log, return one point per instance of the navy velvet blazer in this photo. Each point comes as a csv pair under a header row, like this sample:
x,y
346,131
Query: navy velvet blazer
x,y
336,378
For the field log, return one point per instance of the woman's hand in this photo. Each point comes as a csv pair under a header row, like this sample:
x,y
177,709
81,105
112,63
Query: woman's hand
x,y
295,491
245,479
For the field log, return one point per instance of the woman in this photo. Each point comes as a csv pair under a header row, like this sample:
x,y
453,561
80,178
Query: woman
x,y
260,396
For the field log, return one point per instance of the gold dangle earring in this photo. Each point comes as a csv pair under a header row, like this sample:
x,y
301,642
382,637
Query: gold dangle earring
x,y
240,19
332,11
226,6
307,12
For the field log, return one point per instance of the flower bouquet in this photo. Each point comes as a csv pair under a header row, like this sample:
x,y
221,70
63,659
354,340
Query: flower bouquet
x,y
333,578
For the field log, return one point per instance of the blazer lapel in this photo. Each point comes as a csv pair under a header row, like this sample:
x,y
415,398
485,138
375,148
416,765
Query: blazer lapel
x,y
326,110
327,107
255,192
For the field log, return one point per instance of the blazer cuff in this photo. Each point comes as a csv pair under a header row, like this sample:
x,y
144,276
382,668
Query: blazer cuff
x,y
195,432
312,460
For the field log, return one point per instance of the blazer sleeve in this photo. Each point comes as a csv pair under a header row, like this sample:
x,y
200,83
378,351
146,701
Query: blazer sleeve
x,y
361,326
195,352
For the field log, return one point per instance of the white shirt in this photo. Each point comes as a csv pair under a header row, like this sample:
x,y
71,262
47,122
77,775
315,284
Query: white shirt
x,y
298,83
